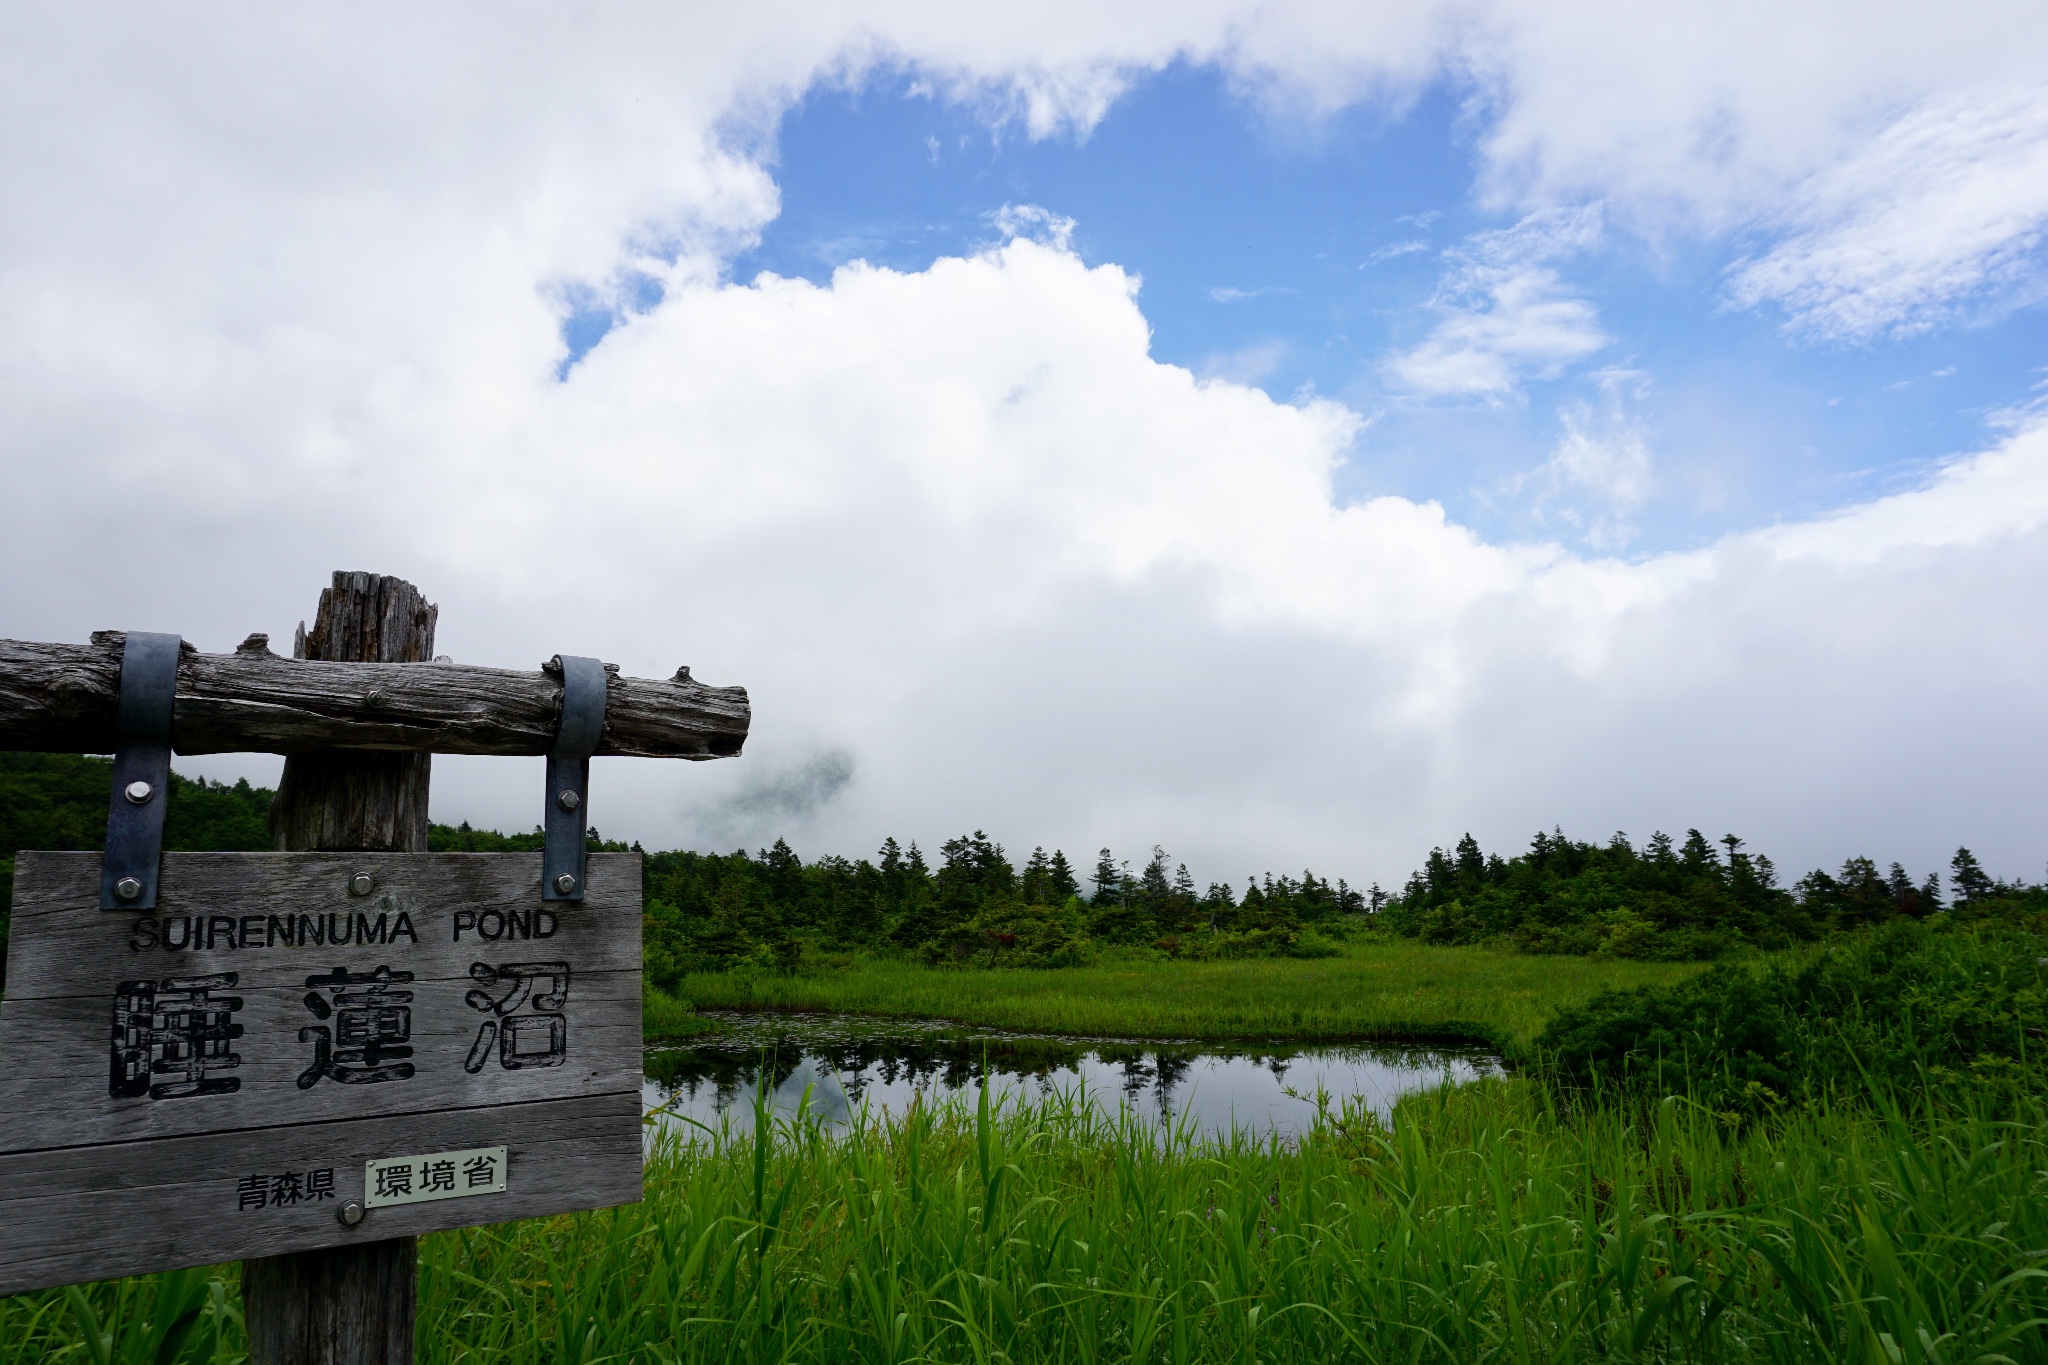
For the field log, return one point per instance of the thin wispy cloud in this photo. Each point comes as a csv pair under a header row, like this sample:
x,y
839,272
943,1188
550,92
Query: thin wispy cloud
x,y
1412,247
776,799
1943,209
1600,471
1504,312
1034,222
1253,364
1605,458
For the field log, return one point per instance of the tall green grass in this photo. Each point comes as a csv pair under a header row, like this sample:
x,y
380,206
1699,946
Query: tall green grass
x,y
665,1019
1479,1227
1393,990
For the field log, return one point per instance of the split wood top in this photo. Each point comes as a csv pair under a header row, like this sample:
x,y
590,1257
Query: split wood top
x,y
62,698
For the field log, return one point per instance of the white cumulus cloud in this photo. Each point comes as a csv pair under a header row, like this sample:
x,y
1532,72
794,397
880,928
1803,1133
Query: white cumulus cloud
x,y
280,293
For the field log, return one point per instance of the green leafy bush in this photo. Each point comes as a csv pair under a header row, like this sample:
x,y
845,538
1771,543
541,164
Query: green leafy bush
x,y
1908,1006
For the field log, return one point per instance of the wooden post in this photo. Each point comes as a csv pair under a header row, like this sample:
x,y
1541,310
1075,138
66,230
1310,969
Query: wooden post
x,y
347,1305
139,1109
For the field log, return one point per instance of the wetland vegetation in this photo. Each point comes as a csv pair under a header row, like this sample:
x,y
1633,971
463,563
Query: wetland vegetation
x,y
1483,1224
1828,1144
1373,989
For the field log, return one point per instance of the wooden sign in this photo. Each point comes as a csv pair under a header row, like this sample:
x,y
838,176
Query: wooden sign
x,y
304,1050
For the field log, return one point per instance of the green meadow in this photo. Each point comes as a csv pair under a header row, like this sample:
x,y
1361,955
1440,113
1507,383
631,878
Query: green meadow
x,y
1838,1158
1376,989
1828,1145
1481,1226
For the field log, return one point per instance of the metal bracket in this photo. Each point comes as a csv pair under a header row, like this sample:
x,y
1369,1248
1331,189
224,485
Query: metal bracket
x,y
142,771
568,814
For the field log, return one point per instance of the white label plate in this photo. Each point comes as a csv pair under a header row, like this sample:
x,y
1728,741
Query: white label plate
x,y
392,1180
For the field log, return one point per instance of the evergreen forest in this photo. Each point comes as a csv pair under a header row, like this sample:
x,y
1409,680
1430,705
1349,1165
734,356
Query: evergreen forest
x,y
973,905
1669,901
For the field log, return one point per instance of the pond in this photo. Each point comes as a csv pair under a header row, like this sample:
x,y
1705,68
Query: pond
x,y
847,1061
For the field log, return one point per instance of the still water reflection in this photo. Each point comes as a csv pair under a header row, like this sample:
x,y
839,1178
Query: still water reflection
x,y
847,1061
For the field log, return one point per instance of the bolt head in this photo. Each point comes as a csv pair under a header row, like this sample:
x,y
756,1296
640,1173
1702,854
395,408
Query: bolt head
x,y
564,884
567,799
138,792
350,1213
360,884
128,888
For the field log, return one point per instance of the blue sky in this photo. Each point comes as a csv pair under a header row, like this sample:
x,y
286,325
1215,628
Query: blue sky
x,y
1657,351
1299,254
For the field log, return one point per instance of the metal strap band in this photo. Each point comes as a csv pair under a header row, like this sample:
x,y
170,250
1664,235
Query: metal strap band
x,y
568,812
142,771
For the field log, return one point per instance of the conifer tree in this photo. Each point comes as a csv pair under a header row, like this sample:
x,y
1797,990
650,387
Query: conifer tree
x,y
1219,905
1035,883
1065,886
1442,873
1698,854
1864,897
1152,885
1968,877
1471,864
1108,880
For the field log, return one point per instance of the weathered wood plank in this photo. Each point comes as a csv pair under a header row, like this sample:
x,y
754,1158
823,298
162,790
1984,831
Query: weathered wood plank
x,y
435,918
350,1304
60,698
64,944
56,1095
130,1208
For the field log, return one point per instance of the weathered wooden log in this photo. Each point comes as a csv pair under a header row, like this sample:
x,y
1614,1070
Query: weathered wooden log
x,y
346,1305
343,800
60,698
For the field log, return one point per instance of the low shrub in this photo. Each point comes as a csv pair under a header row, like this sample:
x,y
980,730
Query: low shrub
x,y
1913,1006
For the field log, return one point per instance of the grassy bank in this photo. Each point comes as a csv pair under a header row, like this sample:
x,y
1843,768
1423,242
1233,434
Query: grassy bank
x,y
665,1019
1480,1228
1379,990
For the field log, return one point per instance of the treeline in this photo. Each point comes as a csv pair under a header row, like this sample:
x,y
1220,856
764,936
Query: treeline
x,y
707,911
59,801
1669,901
974,906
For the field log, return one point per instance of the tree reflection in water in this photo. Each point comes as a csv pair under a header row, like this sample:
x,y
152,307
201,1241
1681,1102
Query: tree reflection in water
x,y
845,1061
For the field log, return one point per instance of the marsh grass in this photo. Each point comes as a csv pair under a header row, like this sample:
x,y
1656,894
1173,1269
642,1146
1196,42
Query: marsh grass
x,y
1479,1226
665,1019
1389,990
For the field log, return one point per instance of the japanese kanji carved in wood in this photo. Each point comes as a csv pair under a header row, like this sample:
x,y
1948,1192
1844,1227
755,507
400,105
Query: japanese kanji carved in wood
x,y
415,1041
